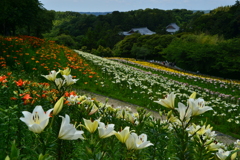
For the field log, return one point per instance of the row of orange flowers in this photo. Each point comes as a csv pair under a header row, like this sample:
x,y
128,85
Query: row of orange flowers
x,y
34,54
31,92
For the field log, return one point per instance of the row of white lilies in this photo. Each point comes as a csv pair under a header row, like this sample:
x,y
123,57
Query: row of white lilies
x,y
38,120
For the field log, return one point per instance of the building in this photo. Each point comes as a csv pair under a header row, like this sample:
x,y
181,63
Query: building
x,y
142,31
172,28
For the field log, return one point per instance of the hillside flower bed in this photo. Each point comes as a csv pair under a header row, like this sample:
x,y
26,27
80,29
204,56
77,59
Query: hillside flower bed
x,y
232,87
146,87
43,116
51,134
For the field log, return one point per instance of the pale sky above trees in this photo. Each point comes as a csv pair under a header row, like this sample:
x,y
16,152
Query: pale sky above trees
x,y
127,5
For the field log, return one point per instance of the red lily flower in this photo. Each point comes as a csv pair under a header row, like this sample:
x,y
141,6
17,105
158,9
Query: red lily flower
x,y
3,79
20,83
27,96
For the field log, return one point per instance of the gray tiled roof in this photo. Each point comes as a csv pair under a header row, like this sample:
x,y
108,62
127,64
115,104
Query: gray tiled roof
x,y
172,27
142,31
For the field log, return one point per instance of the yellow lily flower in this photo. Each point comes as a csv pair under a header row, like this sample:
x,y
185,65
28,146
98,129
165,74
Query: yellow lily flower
x,y
91,126
66,71
123,135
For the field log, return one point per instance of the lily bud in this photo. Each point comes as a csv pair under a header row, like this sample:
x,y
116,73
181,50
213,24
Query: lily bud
x,y
193,95
148,114
58,106
169,114
160,113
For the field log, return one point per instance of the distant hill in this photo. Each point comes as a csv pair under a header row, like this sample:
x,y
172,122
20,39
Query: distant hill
x,y
205,11
95,13
104,13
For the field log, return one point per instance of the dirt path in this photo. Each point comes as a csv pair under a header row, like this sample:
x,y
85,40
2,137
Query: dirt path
x,y
115,103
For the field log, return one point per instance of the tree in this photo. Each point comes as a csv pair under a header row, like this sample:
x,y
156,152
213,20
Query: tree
x,y
23,16
140,52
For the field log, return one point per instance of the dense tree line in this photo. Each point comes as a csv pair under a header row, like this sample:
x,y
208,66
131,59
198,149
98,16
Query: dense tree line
x,y
223,21
204,53
207,54
24,17
143,46
93,31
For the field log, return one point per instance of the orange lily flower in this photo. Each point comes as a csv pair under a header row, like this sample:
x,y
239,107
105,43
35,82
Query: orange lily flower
x,y
20,83
3,79
26,97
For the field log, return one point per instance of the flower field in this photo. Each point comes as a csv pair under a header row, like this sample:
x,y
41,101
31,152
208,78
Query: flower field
x,y
145,87
44,117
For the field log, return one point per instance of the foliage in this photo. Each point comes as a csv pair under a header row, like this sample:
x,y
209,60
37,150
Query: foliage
x,y
143,46
65,40
103,52
207,54
222,21
140,52
24,17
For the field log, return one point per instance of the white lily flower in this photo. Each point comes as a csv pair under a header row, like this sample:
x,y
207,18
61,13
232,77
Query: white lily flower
x,y
209,134
37,120
137,142
93,110
73,99
68,131
168,101
59,82
222,155
105,130
142,142
131,141
237,143
193,129
52,75
69,80
184,112
198,106
215,146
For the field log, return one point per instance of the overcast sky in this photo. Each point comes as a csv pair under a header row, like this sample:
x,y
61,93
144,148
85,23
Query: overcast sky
x,y
128,5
